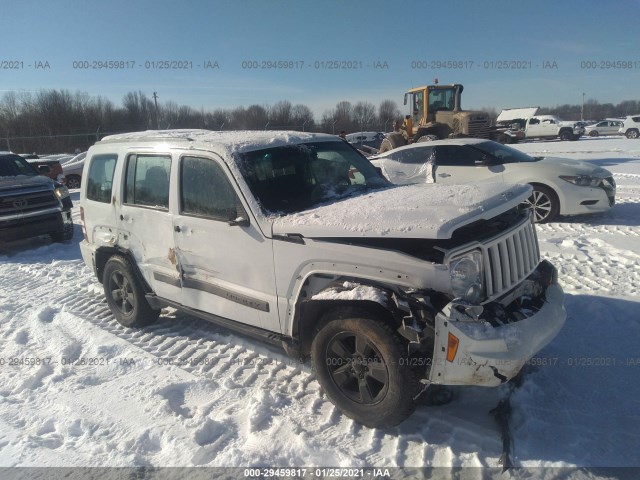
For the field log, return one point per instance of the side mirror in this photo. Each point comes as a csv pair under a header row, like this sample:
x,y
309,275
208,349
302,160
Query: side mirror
x,y
379,170
239,222
242,219
44,169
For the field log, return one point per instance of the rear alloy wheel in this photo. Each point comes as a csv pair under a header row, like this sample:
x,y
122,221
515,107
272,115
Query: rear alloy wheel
x,y
73,181
544,203
125,295
566,135
359,363
632,133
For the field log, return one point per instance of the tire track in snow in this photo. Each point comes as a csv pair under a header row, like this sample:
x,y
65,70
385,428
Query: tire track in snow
x,y
245,374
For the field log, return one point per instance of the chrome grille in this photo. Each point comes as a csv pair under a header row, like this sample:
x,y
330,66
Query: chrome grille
x,y
510,259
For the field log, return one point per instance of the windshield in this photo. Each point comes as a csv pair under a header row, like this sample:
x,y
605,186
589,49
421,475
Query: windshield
x,y
14,165
503,153
296,177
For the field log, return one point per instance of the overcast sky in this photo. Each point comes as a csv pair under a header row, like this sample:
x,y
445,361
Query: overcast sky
x,y
499,50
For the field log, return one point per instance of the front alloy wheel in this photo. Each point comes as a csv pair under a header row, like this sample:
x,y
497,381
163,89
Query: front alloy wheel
x,y
356,368
544,204
361,364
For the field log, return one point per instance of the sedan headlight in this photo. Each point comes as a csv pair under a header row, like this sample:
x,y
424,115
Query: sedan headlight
x,y
61,192
466,277
582,180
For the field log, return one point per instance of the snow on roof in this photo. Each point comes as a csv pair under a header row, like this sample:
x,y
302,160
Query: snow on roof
x,y
240,140
509,114
434,143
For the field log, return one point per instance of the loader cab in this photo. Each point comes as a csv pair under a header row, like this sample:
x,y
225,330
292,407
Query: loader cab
x,y
427,101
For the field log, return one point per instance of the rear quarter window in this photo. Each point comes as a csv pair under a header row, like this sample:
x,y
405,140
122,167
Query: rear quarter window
x,y
100,177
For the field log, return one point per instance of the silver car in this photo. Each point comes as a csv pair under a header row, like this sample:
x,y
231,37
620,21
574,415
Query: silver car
x,y
603,127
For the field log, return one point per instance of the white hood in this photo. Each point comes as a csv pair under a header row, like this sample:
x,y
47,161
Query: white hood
x,y
413,211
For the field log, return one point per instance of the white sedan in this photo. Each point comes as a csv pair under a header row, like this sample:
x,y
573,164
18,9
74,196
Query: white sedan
x,y
560,186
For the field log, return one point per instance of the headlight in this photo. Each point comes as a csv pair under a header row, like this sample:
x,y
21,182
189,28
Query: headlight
x,y
582,180
466,277
61,192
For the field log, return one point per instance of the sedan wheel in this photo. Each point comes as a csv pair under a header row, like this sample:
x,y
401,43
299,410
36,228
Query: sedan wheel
x,y
544,204
73,182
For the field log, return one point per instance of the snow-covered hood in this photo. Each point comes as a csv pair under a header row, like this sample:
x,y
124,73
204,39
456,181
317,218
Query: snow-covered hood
x,y
24,181
567,166
414,211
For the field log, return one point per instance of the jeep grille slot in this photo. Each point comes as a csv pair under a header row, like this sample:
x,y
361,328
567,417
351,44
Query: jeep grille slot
x,y
510,259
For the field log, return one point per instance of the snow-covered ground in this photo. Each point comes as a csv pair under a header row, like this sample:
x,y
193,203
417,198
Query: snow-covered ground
x,y
77,389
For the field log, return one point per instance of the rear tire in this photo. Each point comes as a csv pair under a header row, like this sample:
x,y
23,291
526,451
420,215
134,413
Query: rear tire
x,y
566,135
427,138
360,362
125,295
73,181
391,141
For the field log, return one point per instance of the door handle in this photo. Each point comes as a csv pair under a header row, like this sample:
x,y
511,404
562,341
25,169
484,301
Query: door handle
x,y
177,229
444,175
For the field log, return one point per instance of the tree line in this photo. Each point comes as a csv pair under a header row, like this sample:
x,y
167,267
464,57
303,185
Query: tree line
x,y
56,121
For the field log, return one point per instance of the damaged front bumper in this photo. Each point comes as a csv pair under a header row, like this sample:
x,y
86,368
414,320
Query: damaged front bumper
x,y
475,346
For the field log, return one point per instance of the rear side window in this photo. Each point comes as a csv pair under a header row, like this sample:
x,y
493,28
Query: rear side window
x,y
148,180
457,156
636,119
205,190
412,155
100,177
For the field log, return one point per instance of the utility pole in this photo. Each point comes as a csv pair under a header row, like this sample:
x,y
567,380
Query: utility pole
x,y
582,111
155,100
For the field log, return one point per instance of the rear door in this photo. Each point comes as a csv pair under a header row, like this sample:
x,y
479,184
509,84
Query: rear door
x,y
227,264
464,164
145,222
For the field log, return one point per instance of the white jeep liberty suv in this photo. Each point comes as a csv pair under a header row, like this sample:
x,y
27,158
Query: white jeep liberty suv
x,y
297,239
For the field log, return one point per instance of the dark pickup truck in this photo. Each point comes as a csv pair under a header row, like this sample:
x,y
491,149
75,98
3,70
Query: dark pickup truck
x,y
30,203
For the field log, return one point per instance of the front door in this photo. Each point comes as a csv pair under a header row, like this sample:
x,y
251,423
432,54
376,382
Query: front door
x,y
226,261
462,164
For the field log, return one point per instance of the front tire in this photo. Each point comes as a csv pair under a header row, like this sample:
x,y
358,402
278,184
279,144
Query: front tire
x,y
63,235
593,133
391,141
360,363
632,134
544,203
125,295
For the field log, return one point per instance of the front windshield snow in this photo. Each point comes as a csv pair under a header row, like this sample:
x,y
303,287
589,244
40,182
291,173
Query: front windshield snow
x,y
296,177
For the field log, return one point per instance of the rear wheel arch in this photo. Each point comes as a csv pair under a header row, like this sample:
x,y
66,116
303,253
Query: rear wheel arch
x,y
103,255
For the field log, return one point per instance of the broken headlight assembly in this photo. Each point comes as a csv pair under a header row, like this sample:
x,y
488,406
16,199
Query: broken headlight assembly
x,y
466,277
